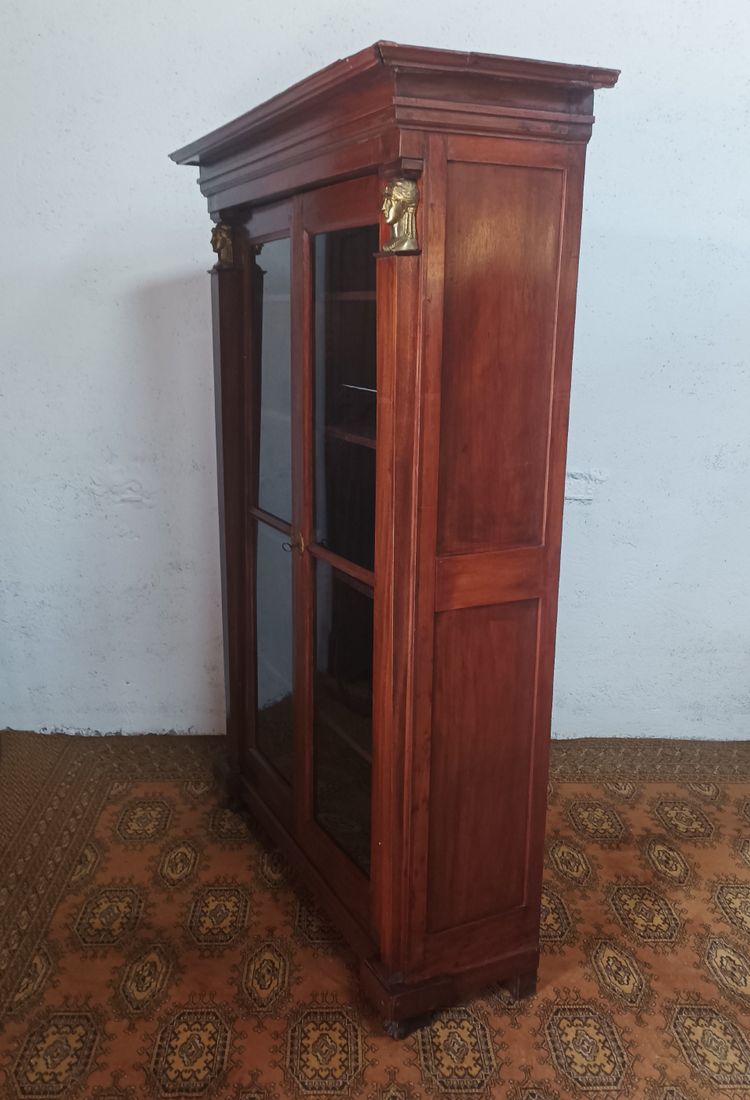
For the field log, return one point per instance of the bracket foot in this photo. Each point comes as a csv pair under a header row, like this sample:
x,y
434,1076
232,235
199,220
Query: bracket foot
x,y
402,1029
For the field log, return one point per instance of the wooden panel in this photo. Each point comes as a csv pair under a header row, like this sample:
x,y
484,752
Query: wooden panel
x,y
227,297
501,276
342,205
417,744
495,923
498,576
395,552
482,735
360,113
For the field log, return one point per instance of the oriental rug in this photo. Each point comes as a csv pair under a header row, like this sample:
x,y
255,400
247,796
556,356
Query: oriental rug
x,y
151,946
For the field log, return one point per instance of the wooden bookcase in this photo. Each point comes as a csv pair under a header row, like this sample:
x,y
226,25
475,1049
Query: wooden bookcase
x,y
393,299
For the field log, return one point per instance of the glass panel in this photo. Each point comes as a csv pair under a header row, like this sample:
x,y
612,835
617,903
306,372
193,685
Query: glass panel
x,y
345,392
273,610
342,757
274,397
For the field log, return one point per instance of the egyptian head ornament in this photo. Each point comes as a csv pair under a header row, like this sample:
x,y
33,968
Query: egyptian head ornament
x,y
399,210
221,242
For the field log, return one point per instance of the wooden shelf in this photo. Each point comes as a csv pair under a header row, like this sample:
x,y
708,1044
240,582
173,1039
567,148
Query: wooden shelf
x,y
350,437
353,582
354,730
327,717
351,295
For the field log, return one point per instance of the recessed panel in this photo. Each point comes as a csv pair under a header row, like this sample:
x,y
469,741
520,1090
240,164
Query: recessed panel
x,y
482,737
501,271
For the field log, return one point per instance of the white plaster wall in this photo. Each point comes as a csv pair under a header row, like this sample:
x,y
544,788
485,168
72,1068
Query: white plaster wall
x,y
108,544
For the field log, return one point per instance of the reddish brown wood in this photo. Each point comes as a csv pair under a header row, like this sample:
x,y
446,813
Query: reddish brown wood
x,y
417,782
399,380
489,577
257,228
345,205
361,112
483,723
302,487
396,1000
474,349
350,568
227,287
270,520
356,202
501,276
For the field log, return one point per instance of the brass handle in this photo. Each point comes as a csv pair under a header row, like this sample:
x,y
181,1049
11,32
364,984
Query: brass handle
x,y
297,544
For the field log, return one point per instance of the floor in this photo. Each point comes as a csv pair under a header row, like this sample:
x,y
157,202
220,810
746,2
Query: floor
x,y
150,946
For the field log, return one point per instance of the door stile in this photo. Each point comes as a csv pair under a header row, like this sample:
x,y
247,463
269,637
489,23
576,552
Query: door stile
x,y
260,231
399,326
302,495
252,294
228,354
343,206
413,911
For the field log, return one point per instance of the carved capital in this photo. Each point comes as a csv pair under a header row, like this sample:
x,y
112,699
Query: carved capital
x,y
221,242
400,199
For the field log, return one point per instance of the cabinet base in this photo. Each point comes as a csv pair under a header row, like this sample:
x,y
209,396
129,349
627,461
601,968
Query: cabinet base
x,y
404,1007
409,1006
229,783
402,1029
520,987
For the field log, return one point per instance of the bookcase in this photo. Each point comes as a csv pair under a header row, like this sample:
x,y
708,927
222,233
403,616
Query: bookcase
x,y
396,244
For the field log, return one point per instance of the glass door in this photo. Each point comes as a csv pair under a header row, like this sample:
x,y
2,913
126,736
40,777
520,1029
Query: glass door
x,y
312,417
270,538
341,234
344,371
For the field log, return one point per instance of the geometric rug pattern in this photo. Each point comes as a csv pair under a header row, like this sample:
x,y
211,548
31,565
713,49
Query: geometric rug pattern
x,y
151,946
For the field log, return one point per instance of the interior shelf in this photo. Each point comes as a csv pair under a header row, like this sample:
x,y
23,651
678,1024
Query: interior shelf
x,y
338,720
357,438
351,295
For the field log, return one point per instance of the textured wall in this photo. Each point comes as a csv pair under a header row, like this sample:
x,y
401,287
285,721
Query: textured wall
x,y
109,551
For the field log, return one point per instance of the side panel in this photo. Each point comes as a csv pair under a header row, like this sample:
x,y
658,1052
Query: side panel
x,y
491,503
501,268
481,737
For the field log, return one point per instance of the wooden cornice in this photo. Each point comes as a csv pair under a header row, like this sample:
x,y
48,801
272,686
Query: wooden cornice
x,y
360,111
277,110
427,59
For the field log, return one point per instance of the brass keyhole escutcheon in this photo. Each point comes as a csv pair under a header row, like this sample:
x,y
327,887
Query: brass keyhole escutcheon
x,y
297,543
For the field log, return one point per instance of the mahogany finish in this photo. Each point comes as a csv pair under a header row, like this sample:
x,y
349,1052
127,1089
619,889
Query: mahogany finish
x,y
433,866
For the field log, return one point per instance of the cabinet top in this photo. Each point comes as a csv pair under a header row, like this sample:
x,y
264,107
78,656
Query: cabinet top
x,y
418,73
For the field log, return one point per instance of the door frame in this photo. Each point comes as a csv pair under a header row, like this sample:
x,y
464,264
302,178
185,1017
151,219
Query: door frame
x,y
271,223
337,206
344,205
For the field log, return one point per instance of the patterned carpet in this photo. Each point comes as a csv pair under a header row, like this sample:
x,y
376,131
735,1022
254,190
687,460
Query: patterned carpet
x,y
151,947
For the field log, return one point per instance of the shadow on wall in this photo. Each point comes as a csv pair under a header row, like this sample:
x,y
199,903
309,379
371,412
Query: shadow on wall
x,y
117,620
652,630
182,589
